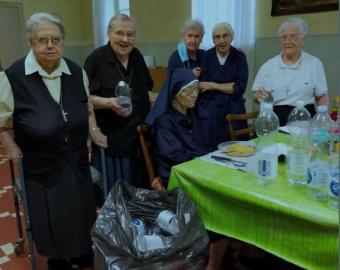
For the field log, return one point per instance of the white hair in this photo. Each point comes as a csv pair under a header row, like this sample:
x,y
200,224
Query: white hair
x,y
120,17
223,25
192,24
40,18
294,21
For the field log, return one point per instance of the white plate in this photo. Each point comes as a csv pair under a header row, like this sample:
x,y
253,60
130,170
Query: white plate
x,y
222,146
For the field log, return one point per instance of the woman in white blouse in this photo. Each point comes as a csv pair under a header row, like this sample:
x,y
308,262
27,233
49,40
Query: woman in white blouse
x,y
292,75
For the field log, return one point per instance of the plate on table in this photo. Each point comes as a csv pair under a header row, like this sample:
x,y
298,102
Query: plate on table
x,y
238,148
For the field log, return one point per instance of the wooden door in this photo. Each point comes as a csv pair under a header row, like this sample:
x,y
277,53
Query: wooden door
x,y
13,44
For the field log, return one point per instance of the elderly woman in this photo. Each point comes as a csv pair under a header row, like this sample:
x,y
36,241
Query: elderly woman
x,y
223,82
177,138
118,61
175,128
45,96
292,75
188,55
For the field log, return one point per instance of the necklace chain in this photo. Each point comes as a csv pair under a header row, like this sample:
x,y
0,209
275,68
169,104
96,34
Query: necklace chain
x,y
123,76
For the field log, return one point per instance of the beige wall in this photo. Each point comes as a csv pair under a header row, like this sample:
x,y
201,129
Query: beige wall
x,y
76,15
320,23
159,21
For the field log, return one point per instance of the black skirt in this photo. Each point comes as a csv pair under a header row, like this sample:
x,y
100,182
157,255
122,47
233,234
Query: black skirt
x,y
62,215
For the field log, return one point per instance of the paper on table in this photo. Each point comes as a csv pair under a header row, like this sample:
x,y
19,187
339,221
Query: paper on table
x,y
247,160
284,129
281,148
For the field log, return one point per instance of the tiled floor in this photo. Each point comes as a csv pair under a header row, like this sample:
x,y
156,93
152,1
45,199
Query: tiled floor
x,y
9,234
8,228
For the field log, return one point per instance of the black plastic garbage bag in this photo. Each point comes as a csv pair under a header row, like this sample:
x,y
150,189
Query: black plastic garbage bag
x,y
114,236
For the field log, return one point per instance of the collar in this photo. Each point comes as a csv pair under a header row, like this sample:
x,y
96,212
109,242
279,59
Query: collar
x,y
32,66
296,65
110,55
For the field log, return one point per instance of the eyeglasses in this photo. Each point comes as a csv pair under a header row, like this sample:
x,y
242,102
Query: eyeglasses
x,y
57,41
223,36
292,38
128,35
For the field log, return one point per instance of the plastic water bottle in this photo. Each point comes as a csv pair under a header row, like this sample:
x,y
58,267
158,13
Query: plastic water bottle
x,y
146,243
318,170
298,156
266,126
138,226
333,185
123,95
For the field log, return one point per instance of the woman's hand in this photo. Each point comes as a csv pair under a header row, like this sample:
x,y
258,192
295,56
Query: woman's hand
x,y
157,184
260,95
207,86
109,103
114,106
196,71
99,138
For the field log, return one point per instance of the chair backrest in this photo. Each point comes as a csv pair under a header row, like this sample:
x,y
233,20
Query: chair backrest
x,y
145,142
250,130
158,75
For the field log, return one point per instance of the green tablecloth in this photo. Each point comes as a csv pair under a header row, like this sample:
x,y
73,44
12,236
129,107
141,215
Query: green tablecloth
x,y
281,218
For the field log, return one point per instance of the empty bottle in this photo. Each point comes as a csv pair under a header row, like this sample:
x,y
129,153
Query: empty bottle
x,y
123,95
298,155
138,226
334,145
318,170
146,243
266,126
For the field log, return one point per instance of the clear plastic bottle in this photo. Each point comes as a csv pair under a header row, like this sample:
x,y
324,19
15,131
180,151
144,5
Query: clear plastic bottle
x,y
318,170
152,242
298,155
334,152
123,95
266,126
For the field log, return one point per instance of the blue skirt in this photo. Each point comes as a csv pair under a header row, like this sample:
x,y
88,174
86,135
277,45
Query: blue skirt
x,y
131,170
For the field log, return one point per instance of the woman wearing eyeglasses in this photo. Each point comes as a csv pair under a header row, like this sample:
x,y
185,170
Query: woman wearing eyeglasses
x,y
46,97
106,66
292,75
223,83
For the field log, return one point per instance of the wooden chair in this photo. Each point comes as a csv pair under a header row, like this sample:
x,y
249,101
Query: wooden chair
x,y
241,117
144,135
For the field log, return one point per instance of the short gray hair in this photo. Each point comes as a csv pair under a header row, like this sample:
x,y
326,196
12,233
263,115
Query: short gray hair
x,y
120,17
192,24
223,25
294,21
40,18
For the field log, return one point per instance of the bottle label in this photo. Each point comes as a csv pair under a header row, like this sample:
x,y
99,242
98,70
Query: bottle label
x,y
266,168
334,189
298,161
334,184
317,176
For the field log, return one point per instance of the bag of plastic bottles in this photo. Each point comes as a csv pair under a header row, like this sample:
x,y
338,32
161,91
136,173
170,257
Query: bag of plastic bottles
x,y
146,229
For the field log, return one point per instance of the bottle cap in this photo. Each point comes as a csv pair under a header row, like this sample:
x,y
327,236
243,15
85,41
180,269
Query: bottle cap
x,y
121,83
300,103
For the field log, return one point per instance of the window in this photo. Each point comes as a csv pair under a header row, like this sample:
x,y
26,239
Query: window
x,y
122,6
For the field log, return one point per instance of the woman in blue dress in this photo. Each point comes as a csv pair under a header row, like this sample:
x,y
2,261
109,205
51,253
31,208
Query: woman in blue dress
x,y
223,82
188,55
175,128
177,138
